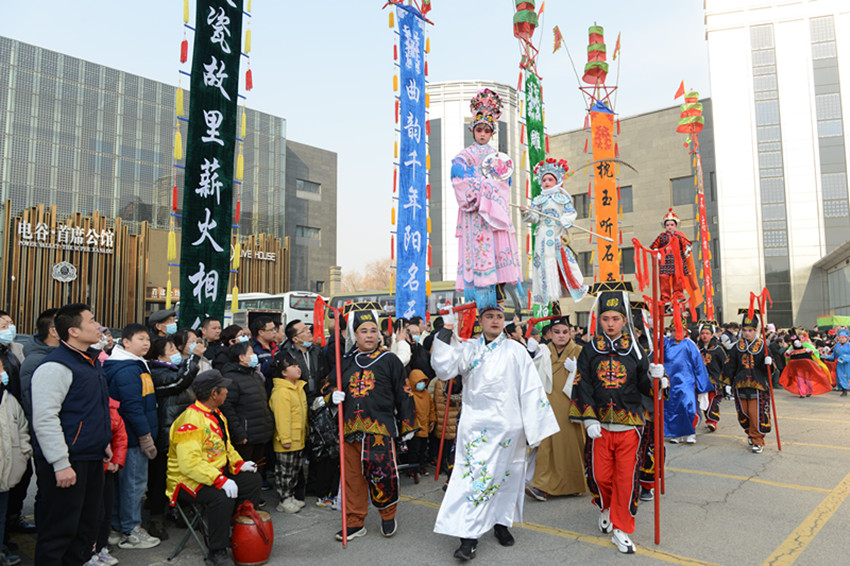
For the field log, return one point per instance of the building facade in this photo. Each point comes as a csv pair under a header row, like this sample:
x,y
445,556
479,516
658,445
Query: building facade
x,y
778,94
85,137
664,179
450,118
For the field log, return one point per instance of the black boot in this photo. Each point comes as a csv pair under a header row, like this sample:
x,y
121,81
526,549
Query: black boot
x,y
467,548
844,393
504,536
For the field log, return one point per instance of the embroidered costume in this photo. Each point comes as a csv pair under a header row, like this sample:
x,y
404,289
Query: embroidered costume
x,y
378,407
688,376
804,373
748,376
670,284
505,409
611,382
841,355
487,255
714,358
555,271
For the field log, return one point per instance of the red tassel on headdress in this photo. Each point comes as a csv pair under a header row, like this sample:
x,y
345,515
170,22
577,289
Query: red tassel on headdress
x,y
249,80
751,310
319,321
184,50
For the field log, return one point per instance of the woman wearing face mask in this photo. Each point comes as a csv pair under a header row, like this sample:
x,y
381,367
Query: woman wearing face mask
x,y
172,378
188,342
246,407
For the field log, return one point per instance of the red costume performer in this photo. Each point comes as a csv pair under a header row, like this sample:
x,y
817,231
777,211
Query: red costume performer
x,y
670,284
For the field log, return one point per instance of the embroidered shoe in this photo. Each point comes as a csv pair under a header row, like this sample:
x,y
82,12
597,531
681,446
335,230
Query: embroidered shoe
x,y
353,532
605,521
623,542
537,494
389,527
757,449
466,550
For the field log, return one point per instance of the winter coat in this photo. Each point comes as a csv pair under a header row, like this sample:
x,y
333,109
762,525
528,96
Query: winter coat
x,y
12,357
130,384
246,405
314,370
15,448
118,444
173,394
440,409
35,352
289,406
425,413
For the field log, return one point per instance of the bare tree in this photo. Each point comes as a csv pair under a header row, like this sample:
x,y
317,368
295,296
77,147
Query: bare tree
x,y
376,274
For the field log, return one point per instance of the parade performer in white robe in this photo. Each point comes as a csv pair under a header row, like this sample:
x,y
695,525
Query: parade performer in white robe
x,y
555,271
505,409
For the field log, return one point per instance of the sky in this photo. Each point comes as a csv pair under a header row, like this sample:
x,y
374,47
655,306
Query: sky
x,y
326,67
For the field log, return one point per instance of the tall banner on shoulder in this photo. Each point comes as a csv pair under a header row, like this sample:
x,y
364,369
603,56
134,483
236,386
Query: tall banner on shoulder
x,y
208,189
412,226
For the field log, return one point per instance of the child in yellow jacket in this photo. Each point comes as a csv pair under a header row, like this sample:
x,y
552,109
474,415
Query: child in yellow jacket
x,y
288,403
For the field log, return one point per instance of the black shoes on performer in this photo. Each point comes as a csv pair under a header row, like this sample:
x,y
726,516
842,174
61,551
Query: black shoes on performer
x,y
388,528
467,548
647,494
353,532
504,536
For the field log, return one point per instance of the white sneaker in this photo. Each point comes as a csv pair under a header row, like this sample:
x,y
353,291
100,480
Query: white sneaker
x,y
299,502
106,558
676,440
605,521
691,439
93,561
138,538
288,505
114,537
623,542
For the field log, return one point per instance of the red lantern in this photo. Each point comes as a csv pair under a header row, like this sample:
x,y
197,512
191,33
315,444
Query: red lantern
x,y
525,19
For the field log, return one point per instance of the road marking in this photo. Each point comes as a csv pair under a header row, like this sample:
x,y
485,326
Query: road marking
x,y
773,436
793,546
582,537
754,480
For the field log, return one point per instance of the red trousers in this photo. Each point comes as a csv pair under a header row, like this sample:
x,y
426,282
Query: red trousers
x,y
668,286
615,471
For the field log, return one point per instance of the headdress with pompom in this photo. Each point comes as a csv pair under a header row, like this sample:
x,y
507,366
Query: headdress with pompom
x,y
486,108
552,166
670,216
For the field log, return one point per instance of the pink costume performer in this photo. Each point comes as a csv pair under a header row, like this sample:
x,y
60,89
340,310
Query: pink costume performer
x,y
487,258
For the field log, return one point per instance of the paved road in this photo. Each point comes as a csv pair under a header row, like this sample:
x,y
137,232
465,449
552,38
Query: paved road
x,y
723,506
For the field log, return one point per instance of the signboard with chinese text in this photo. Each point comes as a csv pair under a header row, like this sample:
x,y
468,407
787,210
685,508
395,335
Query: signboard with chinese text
x,y
411,228
605,202
208,189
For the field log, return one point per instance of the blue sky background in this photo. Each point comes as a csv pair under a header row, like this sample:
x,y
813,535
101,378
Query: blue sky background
x,y
327,68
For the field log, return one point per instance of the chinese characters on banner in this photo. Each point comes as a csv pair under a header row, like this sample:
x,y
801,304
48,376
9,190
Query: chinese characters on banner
x,y
65,237
411,228
605,192
536,150
208,188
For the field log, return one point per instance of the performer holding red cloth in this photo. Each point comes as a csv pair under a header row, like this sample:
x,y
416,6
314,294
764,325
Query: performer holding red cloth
x,y
670,284
803,375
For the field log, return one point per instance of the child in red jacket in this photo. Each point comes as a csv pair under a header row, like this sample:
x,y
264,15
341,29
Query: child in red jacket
x,y
118,446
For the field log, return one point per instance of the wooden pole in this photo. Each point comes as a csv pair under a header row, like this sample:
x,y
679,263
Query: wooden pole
x,y
343,506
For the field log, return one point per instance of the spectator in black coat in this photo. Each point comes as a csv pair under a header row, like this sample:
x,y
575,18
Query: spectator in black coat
x,y
249,417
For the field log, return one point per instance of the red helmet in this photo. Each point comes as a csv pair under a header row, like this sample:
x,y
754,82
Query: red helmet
x,y
670,216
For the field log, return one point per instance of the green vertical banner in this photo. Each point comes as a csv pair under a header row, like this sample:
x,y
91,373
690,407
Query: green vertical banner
x,y
210,143
536,141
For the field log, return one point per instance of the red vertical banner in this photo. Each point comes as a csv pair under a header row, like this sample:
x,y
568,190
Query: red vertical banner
x,y
605,192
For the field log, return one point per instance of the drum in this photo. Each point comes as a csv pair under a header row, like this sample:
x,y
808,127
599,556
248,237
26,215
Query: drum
x,y
253,538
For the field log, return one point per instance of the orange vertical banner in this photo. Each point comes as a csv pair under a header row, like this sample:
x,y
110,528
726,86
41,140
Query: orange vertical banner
x,y
605,192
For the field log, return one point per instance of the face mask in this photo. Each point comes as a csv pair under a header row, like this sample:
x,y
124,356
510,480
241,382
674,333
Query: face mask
x,y
192,347
4,378
7,336
307,343
176,359
170,328
254,361
420,386
242,338
417,338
